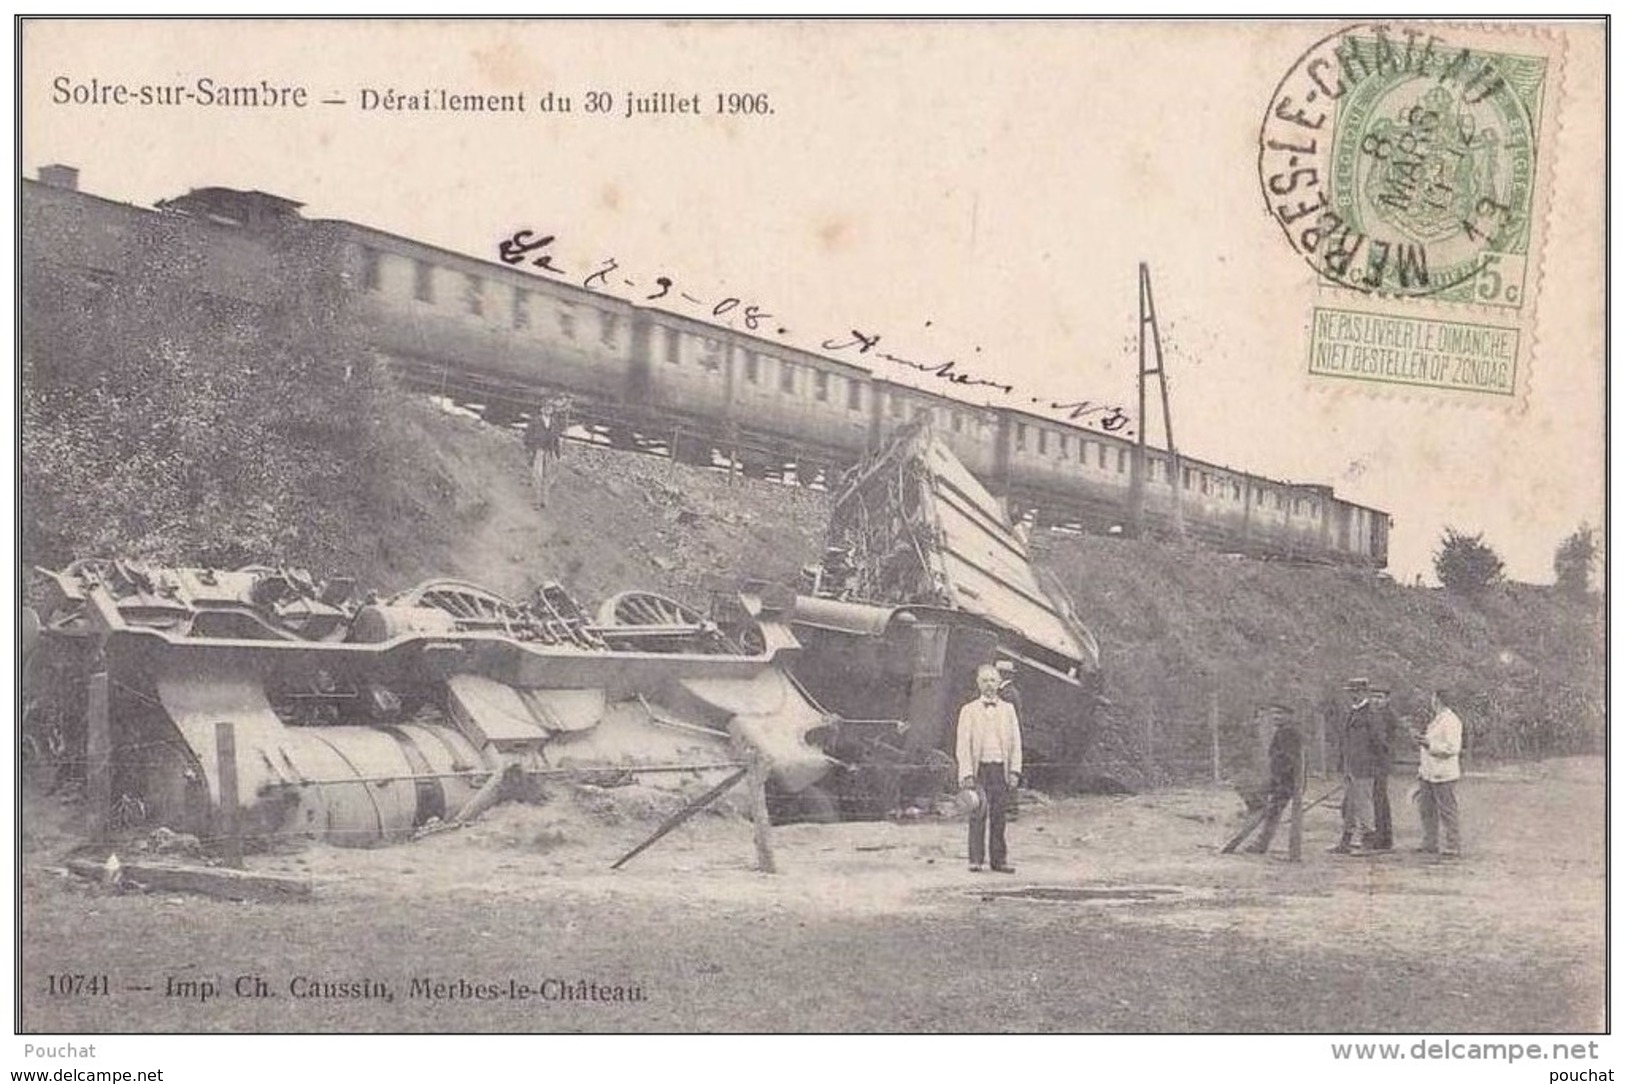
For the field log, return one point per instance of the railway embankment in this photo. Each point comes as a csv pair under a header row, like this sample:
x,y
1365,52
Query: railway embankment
x,y
1193,641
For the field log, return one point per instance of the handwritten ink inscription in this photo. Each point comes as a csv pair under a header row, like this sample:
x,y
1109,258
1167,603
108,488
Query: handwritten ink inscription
x,y
529,248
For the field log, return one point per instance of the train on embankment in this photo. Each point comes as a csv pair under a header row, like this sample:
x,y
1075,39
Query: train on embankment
x,y
503,339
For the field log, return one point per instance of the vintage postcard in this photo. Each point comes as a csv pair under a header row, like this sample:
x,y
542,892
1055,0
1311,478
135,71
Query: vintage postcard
x,y
823,527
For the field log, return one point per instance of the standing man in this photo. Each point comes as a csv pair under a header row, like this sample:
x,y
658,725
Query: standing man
x,y
1384,725
543,440
1286,756
1360,752
989,755
1440,767
1008,691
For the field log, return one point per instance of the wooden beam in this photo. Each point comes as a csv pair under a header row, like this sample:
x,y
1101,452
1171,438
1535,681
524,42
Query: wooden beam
x,y
231,843
217,881
758,773
98,751
682,815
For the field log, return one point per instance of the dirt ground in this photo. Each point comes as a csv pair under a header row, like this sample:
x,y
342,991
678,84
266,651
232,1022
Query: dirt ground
x,y
867,926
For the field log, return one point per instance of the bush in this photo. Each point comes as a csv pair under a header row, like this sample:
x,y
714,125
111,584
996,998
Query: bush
x,y
1464,564
1573,562
164,421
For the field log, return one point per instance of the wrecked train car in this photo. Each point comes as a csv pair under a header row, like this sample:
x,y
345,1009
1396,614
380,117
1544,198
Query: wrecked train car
x,y
922,581
361,721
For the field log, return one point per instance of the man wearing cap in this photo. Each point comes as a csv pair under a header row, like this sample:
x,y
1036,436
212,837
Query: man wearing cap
x,y
544,441
1286,755
1384,726
1440,767
1361,752
989,755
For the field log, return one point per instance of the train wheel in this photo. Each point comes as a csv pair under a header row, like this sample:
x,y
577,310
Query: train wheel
x,y
472,605
643,608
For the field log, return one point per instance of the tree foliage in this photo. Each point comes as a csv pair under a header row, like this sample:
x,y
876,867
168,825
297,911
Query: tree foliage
x,y
1574,560
166,415
1464,564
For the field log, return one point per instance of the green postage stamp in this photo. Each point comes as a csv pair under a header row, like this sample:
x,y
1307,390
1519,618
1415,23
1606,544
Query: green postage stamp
x,y
1407,167
1357,345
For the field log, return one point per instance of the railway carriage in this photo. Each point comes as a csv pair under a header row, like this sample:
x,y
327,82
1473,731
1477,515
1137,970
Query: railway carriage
x,y
504,339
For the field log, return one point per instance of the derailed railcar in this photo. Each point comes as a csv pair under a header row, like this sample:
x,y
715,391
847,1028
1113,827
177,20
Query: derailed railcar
x,y
263,704
923,581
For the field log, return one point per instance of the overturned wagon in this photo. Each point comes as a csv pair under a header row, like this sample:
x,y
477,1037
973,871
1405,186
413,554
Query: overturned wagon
x,y
923,580
358,721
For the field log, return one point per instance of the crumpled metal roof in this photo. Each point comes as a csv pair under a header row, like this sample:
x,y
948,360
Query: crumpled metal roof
x,y
927,532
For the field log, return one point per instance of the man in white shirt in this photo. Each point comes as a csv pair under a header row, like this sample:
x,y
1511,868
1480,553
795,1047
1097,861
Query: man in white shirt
x,y
989,755
1440,767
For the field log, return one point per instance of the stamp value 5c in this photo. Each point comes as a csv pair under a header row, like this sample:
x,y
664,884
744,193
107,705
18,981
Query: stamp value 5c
x,y
1401,164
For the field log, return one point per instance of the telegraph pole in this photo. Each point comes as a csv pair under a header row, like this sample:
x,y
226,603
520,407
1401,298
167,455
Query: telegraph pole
x,y
1139,474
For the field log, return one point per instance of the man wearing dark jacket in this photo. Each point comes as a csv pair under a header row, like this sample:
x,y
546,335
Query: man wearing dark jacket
x,y
543,441
1286,755
1362,751
1384,724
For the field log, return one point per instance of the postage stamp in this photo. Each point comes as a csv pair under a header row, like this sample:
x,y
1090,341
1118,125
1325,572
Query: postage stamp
x,y
1405,166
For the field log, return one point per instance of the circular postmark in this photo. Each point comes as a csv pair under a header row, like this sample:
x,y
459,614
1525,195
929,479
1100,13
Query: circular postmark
x,y
1399,164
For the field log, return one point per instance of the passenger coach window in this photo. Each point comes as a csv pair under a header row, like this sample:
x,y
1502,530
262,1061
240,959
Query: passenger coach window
x,y
423,281
787,378
753,369
854,396
606,328
567,321
474,295
1021,436
711,355
821,386
1122,460
521,309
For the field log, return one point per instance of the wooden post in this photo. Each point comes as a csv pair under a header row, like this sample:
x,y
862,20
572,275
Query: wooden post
x,y
1213,732
1320,740
1294,851
225,744
758,814
99,747
1150,737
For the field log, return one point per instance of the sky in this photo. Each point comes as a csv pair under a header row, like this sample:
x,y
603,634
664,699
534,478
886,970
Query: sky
x,y
982,192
